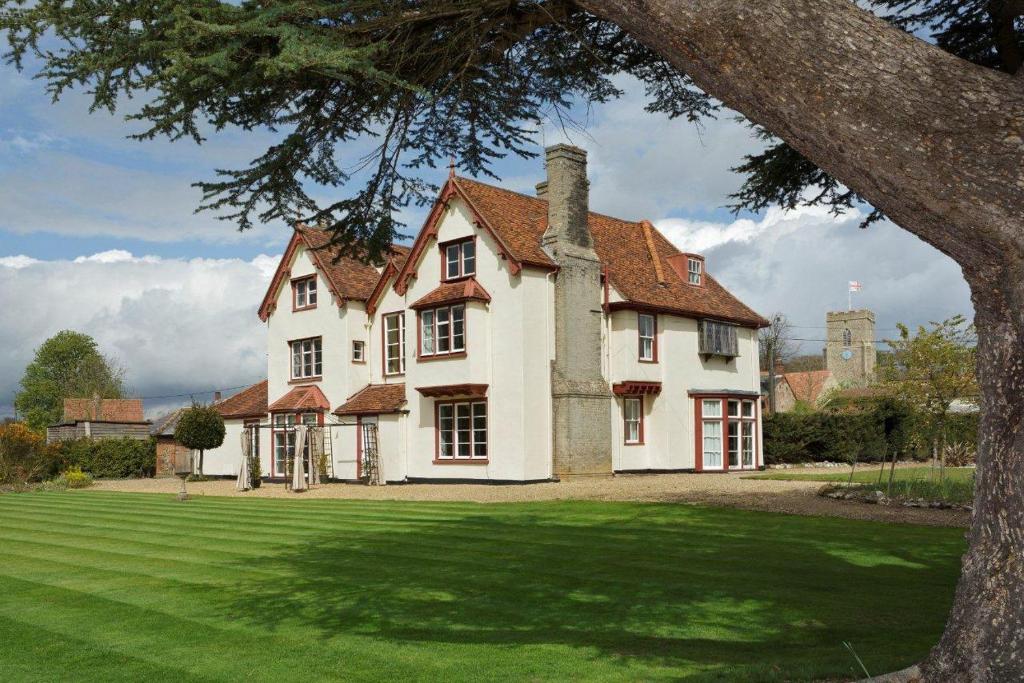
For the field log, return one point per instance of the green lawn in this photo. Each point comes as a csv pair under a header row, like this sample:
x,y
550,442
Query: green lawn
x,y
102,586
868,474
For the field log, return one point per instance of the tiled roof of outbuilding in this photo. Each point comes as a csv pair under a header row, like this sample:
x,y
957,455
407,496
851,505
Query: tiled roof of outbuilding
x,y
103,410
374,399
249,402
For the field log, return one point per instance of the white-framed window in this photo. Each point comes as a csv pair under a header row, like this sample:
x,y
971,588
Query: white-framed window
x,y
694,270
304,293
711,433
443,330
459,259
284,439
306,358
394,343
462,430
742,423
647,326
358,351
633,419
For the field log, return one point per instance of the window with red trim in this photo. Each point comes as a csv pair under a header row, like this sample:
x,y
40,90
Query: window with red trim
x,y
647,327
633,419
307,358
742,425
458,259
394,343
461,430
443,330
304,293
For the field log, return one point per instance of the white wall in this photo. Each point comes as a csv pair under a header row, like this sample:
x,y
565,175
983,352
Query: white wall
x,y
669,437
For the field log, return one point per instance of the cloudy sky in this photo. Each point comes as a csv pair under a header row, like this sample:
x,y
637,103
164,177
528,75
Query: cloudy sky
x,y
98,234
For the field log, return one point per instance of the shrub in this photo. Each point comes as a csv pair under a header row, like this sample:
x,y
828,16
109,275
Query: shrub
x,y
77,479
110,458
255,473
24,455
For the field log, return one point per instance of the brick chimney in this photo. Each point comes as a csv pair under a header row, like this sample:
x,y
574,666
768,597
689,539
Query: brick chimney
x,y
216,397
581,399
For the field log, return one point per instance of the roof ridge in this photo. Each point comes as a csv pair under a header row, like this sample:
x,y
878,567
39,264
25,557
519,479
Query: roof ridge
x,y
653,250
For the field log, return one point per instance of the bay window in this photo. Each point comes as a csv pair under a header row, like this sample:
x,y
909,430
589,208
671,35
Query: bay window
x,y
717,339
284,440
459,259
647,326
711,433
394,343
733,418
306,358
633,419
443,330
461,430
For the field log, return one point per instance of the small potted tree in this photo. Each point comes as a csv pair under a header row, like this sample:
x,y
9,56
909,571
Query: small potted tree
x,y
200,428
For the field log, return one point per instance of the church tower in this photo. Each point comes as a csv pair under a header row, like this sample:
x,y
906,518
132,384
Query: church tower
x,y
850,349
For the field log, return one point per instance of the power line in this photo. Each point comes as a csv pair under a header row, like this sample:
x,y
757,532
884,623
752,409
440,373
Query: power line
x,y
193,393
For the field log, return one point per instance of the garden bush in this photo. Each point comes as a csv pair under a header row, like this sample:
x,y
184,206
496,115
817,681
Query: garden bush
x,y
110,458
76,478
24,455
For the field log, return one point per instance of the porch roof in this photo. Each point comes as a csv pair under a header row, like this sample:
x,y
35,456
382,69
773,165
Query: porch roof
x,y
446,390
635,387
374,399
306,397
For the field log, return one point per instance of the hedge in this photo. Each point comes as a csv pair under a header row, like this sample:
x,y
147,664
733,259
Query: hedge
x,y
109,458
868,431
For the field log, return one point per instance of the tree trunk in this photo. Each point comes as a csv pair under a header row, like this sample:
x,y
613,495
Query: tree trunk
x,y
200,462
938,145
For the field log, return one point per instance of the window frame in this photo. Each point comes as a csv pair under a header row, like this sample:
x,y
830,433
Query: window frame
x,y
639,400
400,316
641,338
359,357
305,281
316,350
434,325
460,244
286,428
738,420
474,431
692,274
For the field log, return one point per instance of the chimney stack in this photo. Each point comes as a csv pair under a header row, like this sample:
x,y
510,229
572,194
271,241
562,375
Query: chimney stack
x,y
542,189
581,400
568,195
216,397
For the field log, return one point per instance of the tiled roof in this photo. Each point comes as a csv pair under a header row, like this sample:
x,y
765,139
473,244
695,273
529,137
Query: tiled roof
x,y
249,402
350,277
347,277
637,256
301,398
807,386
103,410
374,399
450,292
166,424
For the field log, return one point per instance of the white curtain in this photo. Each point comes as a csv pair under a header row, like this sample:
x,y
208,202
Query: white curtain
x,y
244,482
299,473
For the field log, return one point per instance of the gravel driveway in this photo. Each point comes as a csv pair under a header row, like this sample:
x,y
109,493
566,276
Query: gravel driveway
x,y
794,497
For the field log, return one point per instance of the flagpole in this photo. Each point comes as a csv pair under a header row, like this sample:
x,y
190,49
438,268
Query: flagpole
x,y
849,298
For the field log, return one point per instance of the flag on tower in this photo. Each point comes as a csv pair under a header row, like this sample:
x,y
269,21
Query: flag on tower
x,y
855,286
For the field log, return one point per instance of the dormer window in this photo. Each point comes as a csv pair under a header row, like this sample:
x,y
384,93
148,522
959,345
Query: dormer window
x,y
694,270
304,293
459,259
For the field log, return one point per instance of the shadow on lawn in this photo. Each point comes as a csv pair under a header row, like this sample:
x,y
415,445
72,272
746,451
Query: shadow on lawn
x,y
673,586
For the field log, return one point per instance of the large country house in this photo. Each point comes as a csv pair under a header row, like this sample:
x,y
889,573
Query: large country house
x,y
518,339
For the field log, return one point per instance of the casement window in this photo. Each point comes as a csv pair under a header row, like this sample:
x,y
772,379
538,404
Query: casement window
x,y
633,419
443,330
304,293
358,351
462,430
711,433
459,259
694,270
727,432
306,358
394,343
284,440
718,339
648,329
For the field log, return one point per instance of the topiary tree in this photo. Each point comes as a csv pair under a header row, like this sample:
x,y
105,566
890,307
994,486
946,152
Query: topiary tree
x,y
199,428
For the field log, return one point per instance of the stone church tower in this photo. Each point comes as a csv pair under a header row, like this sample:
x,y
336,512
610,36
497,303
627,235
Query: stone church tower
x,y
850,349
581,400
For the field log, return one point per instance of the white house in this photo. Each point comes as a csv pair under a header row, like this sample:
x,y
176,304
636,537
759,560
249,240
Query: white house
x,y
519,339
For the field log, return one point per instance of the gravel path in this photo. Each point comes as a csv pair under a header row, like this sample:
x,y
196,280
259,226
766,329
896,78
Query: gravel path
x,y
731,490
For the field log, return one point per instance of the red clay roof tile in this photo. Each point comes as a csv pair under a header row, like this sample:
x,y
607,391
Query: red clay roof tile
x,y
301,398
374,399
103,410
249,402
451,292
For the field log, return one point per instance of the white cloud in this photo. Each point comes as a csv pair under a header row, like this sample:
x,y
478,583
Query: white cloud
x,y
176,325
